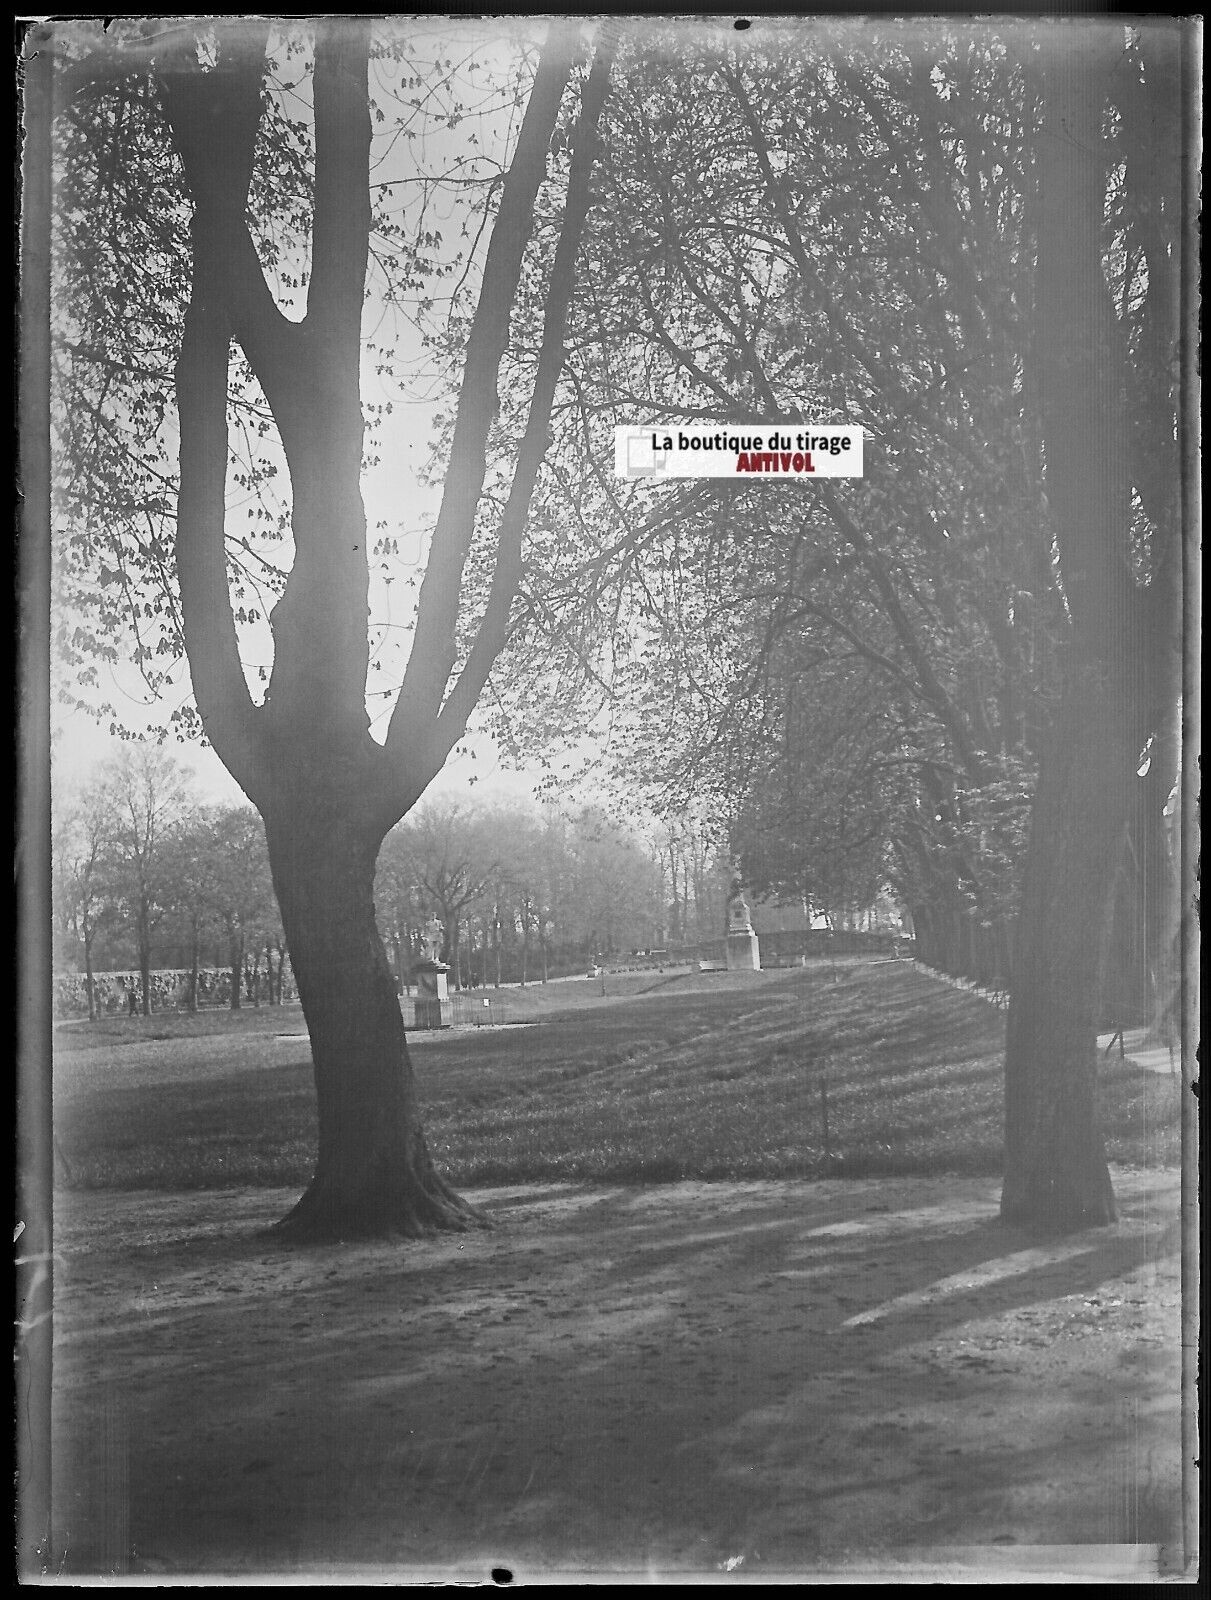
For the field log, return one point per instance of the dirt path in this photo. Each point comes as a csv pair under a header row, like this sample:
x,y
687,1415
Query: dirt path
x,y
764,1378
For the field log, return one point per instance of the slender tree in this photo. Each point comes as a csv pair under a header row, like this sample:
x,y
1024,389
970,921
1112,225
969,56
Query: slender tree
x,y
190,868
239,890
84,900
146,796
454,854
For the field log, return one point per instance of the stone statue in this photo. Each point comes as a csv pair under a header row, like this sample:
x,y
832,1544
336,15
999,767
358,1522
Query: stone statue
x,y
743,949
431,938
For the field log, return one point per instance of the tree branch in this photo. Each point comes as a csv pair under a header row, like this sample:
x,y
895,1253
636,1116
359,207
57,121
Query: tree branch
x,y
211,642
929,683
341,230
111,64
214,116
494,626
434,646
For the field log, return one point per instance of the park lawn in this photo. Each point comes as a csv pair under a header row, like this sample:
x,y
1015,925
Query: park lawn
x,y
666,1077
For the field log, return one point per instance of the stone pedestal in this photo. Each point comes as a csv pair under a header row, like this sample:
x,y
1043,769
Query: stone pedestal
x,y
743,951
432,1002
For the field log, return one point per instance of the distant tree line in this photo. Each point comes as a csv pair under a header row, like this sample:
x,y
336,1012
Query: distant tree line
x,y
148,878
525,892
176,896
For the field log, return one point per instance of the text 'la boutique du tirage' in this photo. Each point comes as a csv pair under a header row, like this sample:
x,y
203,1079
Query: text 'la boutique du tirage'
x,y
708,451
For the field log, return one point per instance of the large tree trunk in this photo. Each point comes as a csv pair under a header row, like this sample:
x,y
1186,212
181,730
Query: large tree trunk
x,y
327,791
1117,673
1056,1174
373,1173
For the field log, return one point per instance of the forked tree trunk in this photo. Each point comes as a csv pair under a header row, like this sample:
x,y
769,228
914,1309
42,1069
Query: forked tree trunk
x,y
1056,1176
373,1173
305,756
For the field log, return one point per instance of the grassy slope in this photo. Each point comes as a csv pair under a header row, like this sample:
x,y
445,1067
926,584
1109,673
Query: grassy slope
x,y
717,1076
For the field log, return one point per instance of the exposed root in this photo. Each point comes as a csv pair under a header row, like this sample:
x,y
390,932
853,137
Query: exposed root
x,y
1052,1209
326,1214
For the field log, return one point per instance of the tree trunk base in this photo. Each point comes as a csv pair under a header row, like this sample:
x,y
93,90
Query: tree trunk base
x,y
1059,1203
374,1177
330,1212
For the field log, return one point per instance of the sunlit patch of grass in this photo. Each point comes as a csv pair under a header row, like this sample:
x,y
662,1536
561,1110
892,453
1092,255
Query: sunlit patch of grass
x,y
726,1082
120,1032
1141,1114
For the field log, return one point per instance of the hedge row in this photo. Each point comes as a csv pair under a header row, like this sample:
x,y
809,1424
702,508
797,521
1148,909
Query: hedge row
x,y
169,990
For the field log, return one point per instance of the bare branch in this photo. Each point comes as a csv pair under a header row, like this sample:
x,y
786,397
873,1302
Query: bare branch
x,y
494,627
434,647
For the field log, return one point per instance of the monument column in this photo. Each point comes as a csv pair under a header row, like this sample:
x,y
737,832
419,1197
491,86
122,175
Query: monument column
x,y
743,950
432,990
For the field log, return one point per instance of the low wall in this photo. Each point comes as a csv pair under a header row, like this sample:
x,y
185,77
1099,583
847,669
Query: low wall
x,y
782,949
786,948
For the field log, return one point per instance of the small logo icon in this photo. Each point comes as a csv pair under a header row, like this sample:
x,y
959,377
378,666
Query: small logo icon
x,y
641,459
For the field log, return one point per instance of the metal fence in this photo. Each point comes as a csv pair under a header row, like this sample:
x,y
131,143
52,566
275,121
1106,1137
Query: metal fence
x,y
469,1008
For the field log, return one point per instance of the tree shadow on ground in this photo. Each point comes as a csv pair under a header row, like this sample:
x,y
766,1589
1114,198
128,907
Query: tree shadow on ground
x,y
660,1379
